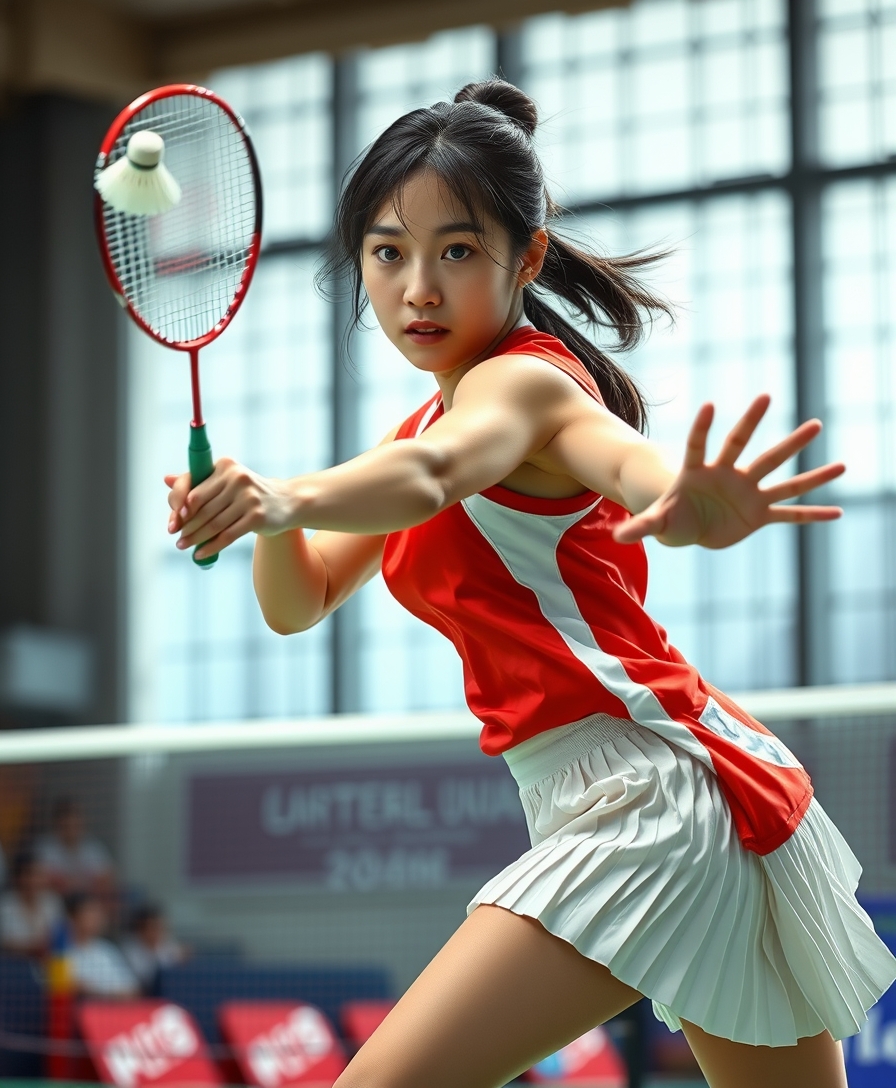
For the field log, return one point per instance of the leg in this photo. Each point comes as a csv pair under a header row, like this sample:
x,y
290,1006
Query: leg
x,y
815,1061
499,996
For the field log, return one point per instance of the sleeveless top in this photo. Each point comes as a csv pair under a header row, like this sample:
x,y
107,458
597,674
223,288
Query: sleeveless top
x,y
546,611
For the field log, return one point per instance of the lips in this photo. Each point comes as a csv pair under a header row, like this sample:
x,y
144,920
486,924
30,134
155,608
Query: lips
x,y
424,327
425,332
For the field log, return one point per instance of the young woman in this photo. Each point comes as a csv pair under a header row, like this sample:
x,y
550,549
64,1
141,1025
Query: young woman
x,y
677,851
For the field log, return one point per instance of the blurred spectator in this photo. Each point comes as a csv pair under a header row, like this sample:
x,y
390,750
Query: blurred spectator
x,y
29,911
2,868
98,967
150,946
74,861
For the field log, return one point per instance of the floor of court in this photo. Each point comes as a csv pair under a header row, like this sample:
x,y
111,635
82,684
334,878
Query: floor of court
x,y
650,1082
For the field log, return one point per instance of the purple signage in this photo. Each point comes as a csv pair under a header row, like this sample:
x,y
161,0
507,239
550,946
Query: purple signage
x,y
357,829
891,802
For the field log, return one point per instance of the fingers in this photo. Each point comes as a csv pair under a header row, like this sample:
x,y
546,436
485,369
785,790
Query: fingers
x,y
790,446
179,489
639,527
226,498
800,514
219,542
203,494
805,481
199,527
743,430
186,502
695,450
228,514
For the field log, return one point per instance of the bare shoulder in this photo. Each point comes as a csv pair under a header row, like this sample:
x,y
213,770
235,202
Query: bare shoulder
x,y
523,378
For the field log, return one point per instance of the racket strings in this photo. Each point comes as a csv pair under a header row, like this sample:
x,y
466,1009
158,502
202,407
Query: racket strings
x,y
183,271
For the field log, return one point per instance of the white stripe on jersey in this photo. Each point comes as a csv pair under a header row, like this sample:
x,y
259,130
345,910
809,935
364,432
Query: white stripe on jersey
x,y
427,416
524,541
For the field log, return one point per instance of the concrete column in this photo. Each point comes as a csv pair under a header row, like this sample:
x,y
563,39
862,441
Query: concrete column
x,y
62,425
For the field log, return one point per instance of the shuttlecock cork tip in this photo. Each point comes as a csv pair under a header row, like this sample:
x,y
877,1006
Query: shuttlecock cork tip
x,y
146,149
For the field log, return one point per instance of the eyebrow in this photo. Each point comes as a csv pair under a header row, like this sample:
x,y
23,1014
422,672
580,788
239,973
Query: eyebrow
x,y
462,227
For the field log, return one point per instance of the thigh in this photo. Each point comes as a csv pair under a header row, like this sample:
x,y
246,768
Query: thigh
x,y
499,996
816,1061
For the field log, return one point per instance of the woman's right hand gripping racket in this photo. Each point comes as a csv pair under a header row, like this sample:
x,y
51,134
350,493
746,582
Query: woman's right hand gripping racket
x,y
178,217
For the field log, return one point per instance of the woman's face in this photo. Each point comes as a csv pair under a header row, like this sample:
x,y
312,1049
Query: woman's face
x,y
441,293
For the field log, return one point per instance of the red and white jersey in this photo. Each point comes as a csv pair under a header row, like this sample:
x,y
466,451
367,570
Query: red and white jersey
x,y
546,612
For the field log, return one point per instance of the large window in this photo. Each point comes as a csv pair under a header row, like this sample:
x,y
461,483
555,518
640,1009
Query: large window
x,y
734,611
660,96
665,123
857,80
199,647
860,379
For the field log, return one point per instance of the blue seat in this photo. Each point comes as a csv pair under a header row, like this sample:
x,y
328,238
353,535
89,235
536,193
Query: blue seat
x,y
22,1012
200,986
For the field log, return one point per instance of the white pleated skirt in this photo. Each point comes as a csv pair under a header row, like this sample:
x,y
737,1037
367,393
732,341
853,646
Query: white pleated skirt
x,y
636,862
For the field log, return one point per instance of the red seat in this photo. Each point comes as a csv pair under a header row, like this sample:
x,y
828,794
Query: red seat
x,y
281,1043
360,1019
591,1060
136,1043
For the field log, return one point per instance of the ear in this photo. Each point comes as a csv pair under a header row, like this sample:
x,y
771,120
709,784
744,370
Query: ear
x,y
533,258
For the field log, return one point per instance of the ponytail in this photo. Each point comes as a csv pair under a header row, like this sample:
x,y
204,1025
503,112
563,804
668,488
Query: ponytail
x,y
606,293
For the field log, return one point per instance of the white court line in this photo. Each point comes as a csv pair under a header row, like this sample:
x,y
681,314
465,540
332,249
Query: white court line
x,y
106,741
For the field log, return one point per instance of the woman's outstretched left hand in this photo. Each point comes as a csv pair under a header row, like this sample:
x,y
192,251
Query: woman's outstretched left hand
x,y
718,504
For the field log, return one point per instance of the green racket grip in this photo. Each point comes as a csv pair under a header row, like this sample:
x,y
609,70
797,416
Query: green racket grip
x,y
201,467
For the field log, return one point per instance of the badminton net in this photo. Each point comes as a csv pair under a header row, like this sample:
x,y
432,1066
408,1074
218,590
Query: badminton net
x,y
320,861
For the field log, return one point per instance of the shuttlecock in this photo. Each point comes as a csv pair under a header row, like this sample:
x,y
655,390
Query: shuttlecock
x,y
139,183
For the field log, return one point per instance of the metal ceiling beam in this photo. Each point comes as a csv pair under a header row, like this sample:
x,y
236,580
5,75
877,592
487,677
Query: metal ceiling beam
x,y
251,33
76,47
106,51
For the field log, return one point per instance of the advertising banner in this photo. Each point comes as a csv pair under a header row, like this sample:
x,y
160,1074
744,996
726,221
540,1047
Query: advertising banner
x,y
355,830
281,1044
360,1019
591,1060
138,1043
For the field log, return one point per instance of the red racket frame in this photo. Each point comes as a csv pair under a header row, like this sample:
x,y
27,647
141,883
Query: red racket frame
x,y
191,346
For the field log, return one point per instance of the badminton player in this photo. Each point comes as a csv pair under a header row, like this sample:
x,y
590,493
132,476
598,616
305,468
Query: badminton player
x,y
677,850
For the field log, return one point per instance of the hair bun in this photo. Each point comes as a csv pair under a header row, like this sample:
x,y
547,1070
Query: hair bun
x,y
502,96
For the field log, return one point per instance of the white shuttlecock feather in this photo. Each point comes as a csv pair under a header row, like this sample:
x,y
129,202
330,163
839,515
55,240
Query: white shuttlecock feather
x,y
139,183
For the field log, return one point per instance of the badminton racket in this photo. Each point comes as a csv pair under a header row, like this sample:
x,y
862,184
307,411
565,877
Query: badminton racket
x,y
178,218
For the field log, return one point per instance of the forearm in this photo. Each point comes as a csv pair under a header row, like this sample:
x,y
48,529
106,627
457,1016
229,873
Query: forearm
x,y
290,581
388,488
643,476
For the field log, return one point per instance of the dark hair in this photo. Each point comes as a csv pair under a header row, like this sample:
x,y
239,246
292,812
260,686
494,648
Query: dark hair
x,y
24,861
63,807
145,913
480,147
75,902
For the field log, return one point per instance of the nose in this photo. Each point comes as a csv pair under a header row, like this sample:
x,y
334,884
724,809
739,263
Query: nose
x,y
421,288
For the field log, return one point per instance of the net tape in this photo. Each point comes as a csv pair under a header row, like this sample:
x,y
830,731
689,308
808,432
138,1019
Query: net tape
x,y
111,741
181,270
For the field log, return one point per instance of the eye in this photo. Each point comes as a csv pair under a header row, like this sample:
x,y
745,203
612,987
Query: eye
x,y
457,252
387,254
